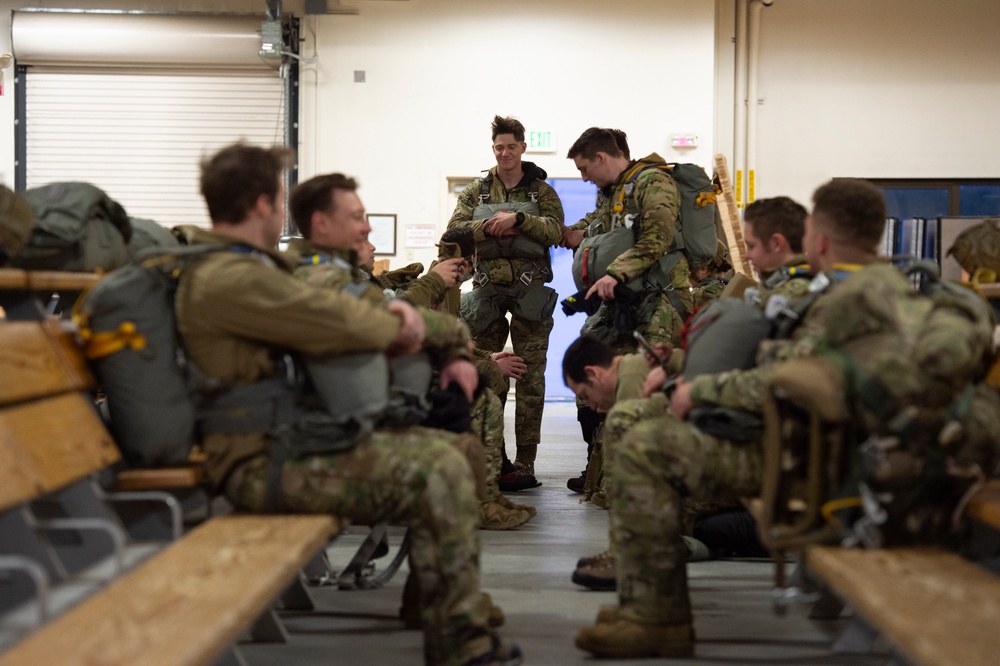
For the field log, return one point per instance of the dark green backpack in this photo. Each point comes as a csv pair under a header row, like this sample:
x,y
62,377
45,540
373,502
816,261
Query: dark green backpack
x,y
78,227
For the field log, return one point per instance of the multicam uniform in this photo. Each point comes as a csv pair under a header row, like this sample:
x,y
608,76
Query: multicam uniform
x,y
654,207
237,312
510,278
660,462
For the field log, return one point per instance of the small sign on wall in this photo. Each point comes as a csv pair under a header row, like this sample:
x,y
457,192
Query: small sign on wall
x,y
421,235
541,141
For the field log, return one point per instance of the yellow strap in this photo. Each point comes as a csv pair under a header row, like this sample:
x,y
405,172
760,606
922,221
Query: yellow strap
x,y
836,505
105,343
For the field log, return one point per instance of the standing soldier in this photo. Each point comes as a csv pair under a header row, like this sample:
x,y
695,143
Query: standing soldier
x,y
516,216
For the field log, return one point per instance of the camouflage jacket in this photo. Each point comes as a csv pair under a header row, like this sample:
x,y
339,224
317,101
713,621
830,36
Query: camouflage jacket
x,y
655,195
790,280
546,227
237,312
336,268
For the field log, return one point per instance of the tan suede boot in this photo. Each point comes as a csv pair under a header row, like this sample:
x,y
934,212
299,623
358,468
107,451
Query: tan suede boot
x,y
507,504
495,516
626,639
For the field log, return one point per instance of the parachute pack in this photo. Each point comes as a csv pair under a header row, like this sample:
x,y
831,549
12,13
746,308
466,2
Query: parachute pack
x,y
128,326
696,233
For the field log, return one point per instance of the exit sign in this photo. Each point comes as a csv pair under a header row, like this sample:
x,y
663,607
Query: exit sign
x,y
542,141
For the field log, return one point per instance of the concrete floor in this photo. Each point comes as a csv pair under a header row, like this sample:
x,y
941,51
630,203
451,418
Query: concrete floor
x,y
527,571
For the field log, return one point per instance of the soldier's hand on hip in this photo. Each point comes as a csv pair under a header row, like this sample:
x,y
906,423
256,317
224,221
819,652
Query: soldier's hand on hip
x,y
410,337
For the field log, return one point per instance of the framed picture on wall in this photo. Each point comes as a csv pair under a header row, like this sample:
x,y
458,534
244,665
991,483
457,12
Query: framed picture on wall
x,y
383,233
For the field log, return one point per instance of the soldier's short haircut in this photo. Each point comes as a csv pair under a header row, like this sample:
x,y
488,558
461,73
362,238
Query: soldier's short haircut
x,y
599,140
621,140
585,350
464,237
316,194
777,215
508,125
234,178
852,211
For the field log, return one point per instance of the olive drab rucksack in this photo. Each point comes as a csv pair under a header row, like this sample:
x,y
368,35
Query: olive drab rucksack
x,y
696,234
129,330
78,227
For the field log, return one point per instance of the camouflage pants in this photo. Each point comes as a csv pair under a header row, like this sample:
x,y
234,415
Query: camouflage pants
x,y
487,424
413,477
650,471
530,340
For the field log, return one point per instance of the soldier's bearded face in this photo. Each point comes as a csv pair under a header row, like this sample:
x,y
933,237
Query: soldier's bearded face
x,y
596,391
596,170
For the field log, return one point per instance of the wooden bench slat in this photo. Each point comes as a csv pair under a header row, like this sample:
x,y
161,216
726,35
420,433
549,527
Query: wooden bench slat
x,y
185,605
160,478
18,279
936,607
59,440
39,359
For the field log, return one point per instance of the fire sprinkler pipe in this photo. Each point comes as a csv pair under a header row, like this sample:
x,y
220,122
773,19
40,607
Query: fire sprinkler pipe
x,y
753,92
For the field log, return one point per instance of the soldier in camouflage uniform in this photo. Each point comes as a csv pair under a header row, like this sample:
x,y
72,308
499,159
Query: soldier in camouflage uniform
x,y
323,209
653,205
710,279
237,312
516,217
660,462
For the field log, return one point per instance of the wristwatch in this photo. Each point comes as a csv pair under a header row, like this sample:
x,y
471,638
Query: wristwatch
x,y
519,219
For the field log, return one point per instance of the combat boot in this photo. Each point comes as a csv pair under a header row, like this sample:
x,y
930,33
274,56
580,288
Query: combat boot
x,y
495,516
598,574
510,482
507,504
626,639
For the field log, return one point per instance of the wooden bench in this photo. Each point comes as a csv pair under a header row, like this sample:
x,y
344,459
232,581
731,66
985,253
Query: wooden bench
x,y
932,605
192,598
21,291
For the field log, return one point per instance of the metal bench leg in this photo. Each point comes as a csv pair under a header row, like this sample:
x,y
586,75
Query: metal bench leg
x,y
352,577
858,638
297,597
268,628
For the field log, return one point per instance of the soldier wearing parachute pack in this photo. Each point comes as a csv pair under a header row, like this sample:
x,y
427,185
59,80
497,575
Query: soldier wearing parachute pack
x,y
861,309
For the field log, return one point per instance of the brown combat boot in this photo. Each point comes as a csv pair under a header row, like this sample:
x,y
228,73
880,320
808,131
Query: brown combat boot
x,y
627,639
507,504
601,576
495,516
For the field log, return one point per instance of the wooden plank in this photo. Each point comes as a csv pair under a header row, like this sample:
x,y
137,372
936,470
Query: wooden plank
x,y
14,279
934,606
985,505
188,603
54,443
731,220
39,359
160,478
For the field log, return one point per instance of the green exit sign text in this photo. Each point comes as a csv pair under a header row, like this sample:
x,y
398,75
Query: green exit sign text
x,y
541,141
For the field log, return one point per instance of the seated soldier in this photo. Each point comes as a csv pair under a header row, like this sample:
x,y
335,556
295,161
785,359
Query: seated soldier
x,y
238,313
330,215
660,463
711,279
607,382
773,230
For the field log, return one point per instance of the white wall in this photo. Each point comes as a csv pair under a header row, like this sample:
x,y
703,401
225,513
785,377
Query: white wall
x,y
438,70
893,88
